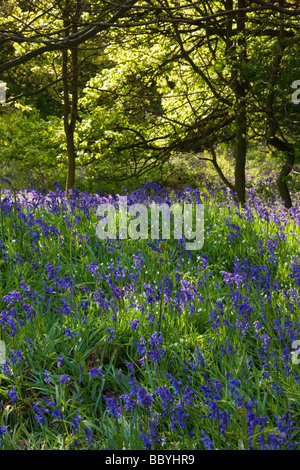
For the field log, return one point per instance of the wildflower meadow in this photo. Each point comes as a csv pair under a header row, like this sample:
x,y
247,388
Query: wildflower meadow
x,y
142,344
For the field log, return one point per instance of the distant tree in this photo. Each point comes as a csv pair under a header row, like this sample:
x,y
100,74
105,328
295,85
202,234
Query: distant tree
x,y
282,119
34,29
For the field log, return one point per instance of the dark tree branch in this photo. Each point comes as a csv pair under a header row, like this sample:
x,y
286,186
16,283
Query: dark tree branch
x,y
94,28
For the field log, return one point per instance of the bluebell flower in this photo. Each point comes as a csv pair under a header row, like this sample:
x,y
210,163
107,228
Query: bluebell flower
x,y
3,431
25,287
233,384
39,409
76,422
224,419
150,318
215,410
133,324
113,406
153,428
50,269
130,366
75,445
207,390
96,372
200,358
146,440
30,342
141,349
88,436
47,376
235,232
12,296
39,413
166,397
188,396
68,333
29,311
57,413
129,402
155,354
65,378
285,424
111,334
13,395
60,361
277,389
175,383
179,416
93,267
209,445
145,398
252,419
66,309
6,368
133,386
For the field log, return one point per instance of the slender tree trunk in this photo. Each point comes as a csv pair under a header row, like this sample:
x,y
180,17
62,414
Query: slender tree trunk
x,y
281,180
71,153
272,125
70,183
241,146
238,85
70,118
70,74
289,151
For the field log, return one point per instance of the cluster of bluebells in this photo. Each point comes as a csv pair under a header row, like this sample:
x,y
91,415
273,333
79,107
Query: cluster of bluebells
x,y
172,405
172,402
238,308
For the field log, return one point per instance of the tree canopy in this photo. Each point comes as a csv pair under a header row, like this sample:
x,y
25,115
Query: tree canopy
x,y
125,86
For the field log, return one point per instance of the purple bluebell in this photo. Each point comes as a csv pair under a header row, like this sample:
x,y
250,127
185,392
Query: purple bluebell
x,y
65,378
113,406
88,437
96,372
175,383
145,398
76,423
12,394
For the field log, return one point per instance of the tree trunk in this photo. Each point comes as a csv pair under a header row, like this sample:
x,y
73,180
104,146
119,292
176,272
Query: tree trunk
x,y
272,126
71,158
70,115
70,105
241,147
281,180
237,50
282,185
